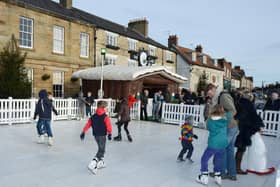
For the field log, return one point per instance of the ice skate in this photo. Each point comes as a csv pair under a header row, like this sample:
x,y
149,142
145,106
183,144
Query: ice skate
x,y
190,160
129,138
101,164
202,178
41,139
93,166
218,178
50,141
180,159
118,138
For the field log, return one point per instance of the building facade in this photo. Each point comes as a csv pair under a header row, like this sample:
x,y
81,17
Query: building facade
x,y
193,64
60,39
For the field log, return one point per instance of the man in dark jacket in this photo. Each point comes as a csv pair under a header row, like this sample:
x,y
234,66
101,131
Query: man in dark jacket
x,y
144,102
273,103
44,108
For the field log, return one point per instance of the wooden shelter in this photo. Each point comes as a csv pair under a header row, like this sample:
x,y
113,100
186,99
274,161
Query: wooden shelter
x,y
120,81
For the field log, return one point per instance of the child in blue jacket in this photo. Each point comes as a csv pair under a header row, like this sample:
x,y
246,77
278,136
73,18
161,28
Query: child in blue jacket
x,y
217,142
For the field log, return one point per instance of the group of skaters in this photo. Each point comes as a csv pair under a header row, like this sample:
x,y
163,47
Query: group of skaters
x,y
232,121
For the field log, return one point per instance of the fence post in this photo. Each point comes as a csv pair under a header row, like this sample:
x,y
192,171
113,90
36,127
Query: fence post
x,y
69,107
201,117
278,130
10,110
138,109
163,112
33,107
181,113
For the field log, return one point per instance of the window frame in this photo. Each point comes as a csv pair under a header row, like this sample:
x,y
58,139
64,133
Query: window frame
x,y
111,58
85,46
26,32
152,48
111,39
62,40
132,44
62,74
168,54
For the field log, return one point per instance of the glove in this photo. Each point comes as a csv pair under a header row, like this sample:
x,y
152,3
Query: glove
x,y
110,137
82,136
195,136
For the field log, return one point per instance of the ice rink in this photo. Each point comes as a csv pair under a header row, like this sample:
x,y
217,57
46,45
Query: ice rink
x,y
150,161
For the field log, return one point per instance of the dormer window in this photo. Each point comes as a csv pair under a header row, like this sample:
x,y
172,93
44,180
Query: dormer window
x,y
204,59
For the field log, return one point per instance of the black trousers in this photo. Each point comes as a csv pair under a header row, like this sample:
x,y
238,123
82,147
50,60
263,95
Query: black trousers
x,y
125,127
101,143
143,110
186,146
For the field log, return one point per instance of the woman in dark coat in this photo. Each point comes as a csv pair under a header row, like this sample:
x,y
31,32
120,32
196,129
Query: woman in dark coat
x,y
124,119
249,123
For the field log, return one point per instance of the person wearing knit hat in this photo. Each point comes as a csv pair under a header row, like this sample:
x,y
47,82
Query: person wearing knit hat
x,y
186,139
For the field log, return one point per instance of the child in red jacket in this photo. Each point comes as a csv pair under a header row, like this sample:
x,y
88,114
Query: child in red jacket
x,y
101,126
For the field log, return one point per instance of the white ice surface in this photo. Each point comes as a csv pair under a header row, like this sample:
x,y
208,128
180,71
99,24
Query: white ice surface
x,y
150,161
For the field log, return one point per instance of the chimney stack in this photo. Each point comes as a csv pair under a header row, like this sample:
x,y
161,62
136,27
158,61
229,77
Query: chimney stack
x,y
172,40
66,3
140,25
198,49
237,68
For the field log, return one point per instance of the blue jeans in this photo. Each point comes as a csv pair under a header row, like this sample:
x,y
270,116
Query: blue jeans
x,y
44,126
229,164
218,158
88,110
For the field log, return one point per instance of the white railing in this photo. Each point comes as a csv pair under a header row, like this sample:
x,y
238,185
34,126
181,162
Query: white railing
x,y
271,120
22,110
176,113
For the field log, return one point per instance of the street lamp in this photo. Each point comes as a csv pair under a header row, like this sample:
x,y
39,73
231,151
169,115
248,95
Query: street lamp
x,y
100,92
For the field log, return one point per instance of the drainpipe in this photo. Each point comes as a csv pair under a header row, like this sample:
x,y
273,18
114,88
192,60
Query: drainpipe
x,y
94,47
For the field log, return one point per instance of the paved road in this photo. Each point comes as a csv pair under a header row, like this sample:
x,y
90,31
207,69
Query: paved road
x,y
150,161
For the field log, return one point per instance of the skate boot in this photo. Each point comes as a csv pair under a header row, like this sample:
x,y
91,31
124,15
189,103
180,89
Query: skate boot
x,y
118,138
101,164
129,138
41,139
180,159
202,178
190,160
93,166
50,141
218,178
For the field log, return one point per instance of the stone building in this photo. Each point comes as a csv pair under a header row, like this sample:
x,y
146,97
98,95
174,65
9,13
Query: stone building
x,y
192,64
60,39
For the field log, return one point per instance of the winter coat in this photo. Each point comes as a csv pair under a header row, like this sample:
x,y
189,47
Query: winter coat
x,y
144,99
123,112
131,101
44,107
89,100
273,105
249,123
227,102
187,132
100,123
217,127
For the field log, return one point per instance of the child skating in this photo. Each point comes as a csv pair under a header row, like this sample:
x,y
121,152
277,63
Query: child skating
x,y
101,127
44,108
217,142
186,139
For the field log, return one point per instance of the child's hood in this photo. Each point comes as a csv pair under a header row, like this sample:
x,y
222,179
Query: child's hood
x,y
100,111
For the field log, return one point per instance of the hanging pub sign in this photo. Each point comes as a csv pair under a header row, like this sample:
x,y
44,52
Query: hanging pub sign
x,y
134,55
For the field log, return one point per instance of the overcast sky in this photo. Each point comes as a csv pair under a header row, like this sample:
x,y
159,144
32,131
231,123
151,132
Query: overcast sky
x,y
245,32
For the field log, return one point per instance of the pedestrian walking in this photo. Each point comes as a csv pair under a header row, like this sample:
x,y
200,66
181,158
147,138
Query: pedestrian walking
x,y
144,103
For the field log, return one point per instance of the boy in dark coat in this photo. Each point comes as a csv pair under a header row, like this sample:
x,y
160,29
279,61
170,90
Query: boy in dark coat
x,y
101,126
44,108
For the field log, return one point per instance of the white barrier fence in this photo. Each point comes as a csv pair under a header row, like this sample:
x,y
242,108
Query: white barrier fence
x,y
22,110
176,113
